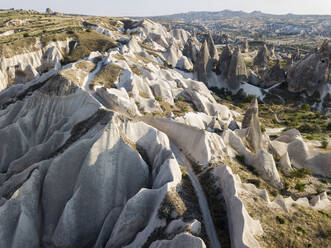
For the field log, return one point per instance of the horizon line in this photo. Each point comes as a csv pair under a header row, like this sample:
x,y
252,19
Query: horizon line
x,y
176,13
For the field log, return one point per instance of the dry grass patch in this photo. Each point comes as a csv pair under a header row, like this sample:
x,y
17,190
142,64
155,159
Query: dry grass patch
x,y
107,76
171,202
74,76
302,227
85,65
134,68
89,42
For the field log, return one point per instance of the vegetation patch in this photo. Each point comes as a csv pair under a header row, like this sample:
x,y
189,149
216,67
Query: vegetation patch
x,y
217,207
85,65
107,76
87,43
301,173
172,202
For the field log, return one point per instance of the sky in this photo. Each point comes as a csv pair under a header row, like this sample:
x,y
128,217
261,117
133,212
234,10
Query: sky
x,y
165,7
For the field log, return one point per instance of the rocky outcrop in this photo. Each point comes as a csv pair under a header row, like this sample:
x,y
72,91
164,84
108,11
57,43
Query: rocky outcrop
x,y
181,240
263,56
204,63
77,151
311,73
237,71
245,47
192,48
275,75
252,123
224,61
300,155
25,67
242,228
212,49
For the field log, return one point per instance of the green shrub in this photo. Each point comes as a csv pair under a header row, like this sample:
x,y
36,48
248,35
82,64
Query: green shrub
x,y
305,107
249,98
300,186
159,99
25,35
301,173
323,180
309,128
180,98
325,144
228,98
280,219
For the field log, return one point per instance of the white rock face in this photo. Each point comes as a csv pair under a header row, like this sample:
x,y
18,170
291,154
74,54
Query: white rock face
x,y
242,226
94,160
300,155
181,240
25,67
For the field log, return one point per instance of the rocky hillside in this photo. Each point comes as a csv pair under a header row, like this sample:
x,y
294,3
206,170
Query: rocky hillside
x,y
122,133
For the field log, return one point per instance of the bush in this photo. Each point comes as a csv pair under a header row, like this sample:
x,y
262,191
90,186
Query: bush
x,y
280,219
25,35
323,180
159,99
249,98
301,173
228,98
180,98
325,144
300,186
309,128
305,107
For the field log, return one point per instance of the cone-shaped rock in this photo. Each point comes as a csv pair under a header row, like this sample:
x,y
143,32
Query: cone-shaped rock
x,y
224,61
237,71
191,49
204,63
262,58
252,123
212,49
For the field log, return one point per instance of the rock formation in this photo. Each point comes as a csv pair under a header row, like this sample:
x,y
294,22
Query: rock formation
x,y
212,49
273,76
192,48
237,70
263,56
224,61
252,123
245,47
311,73
204,63
109,146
